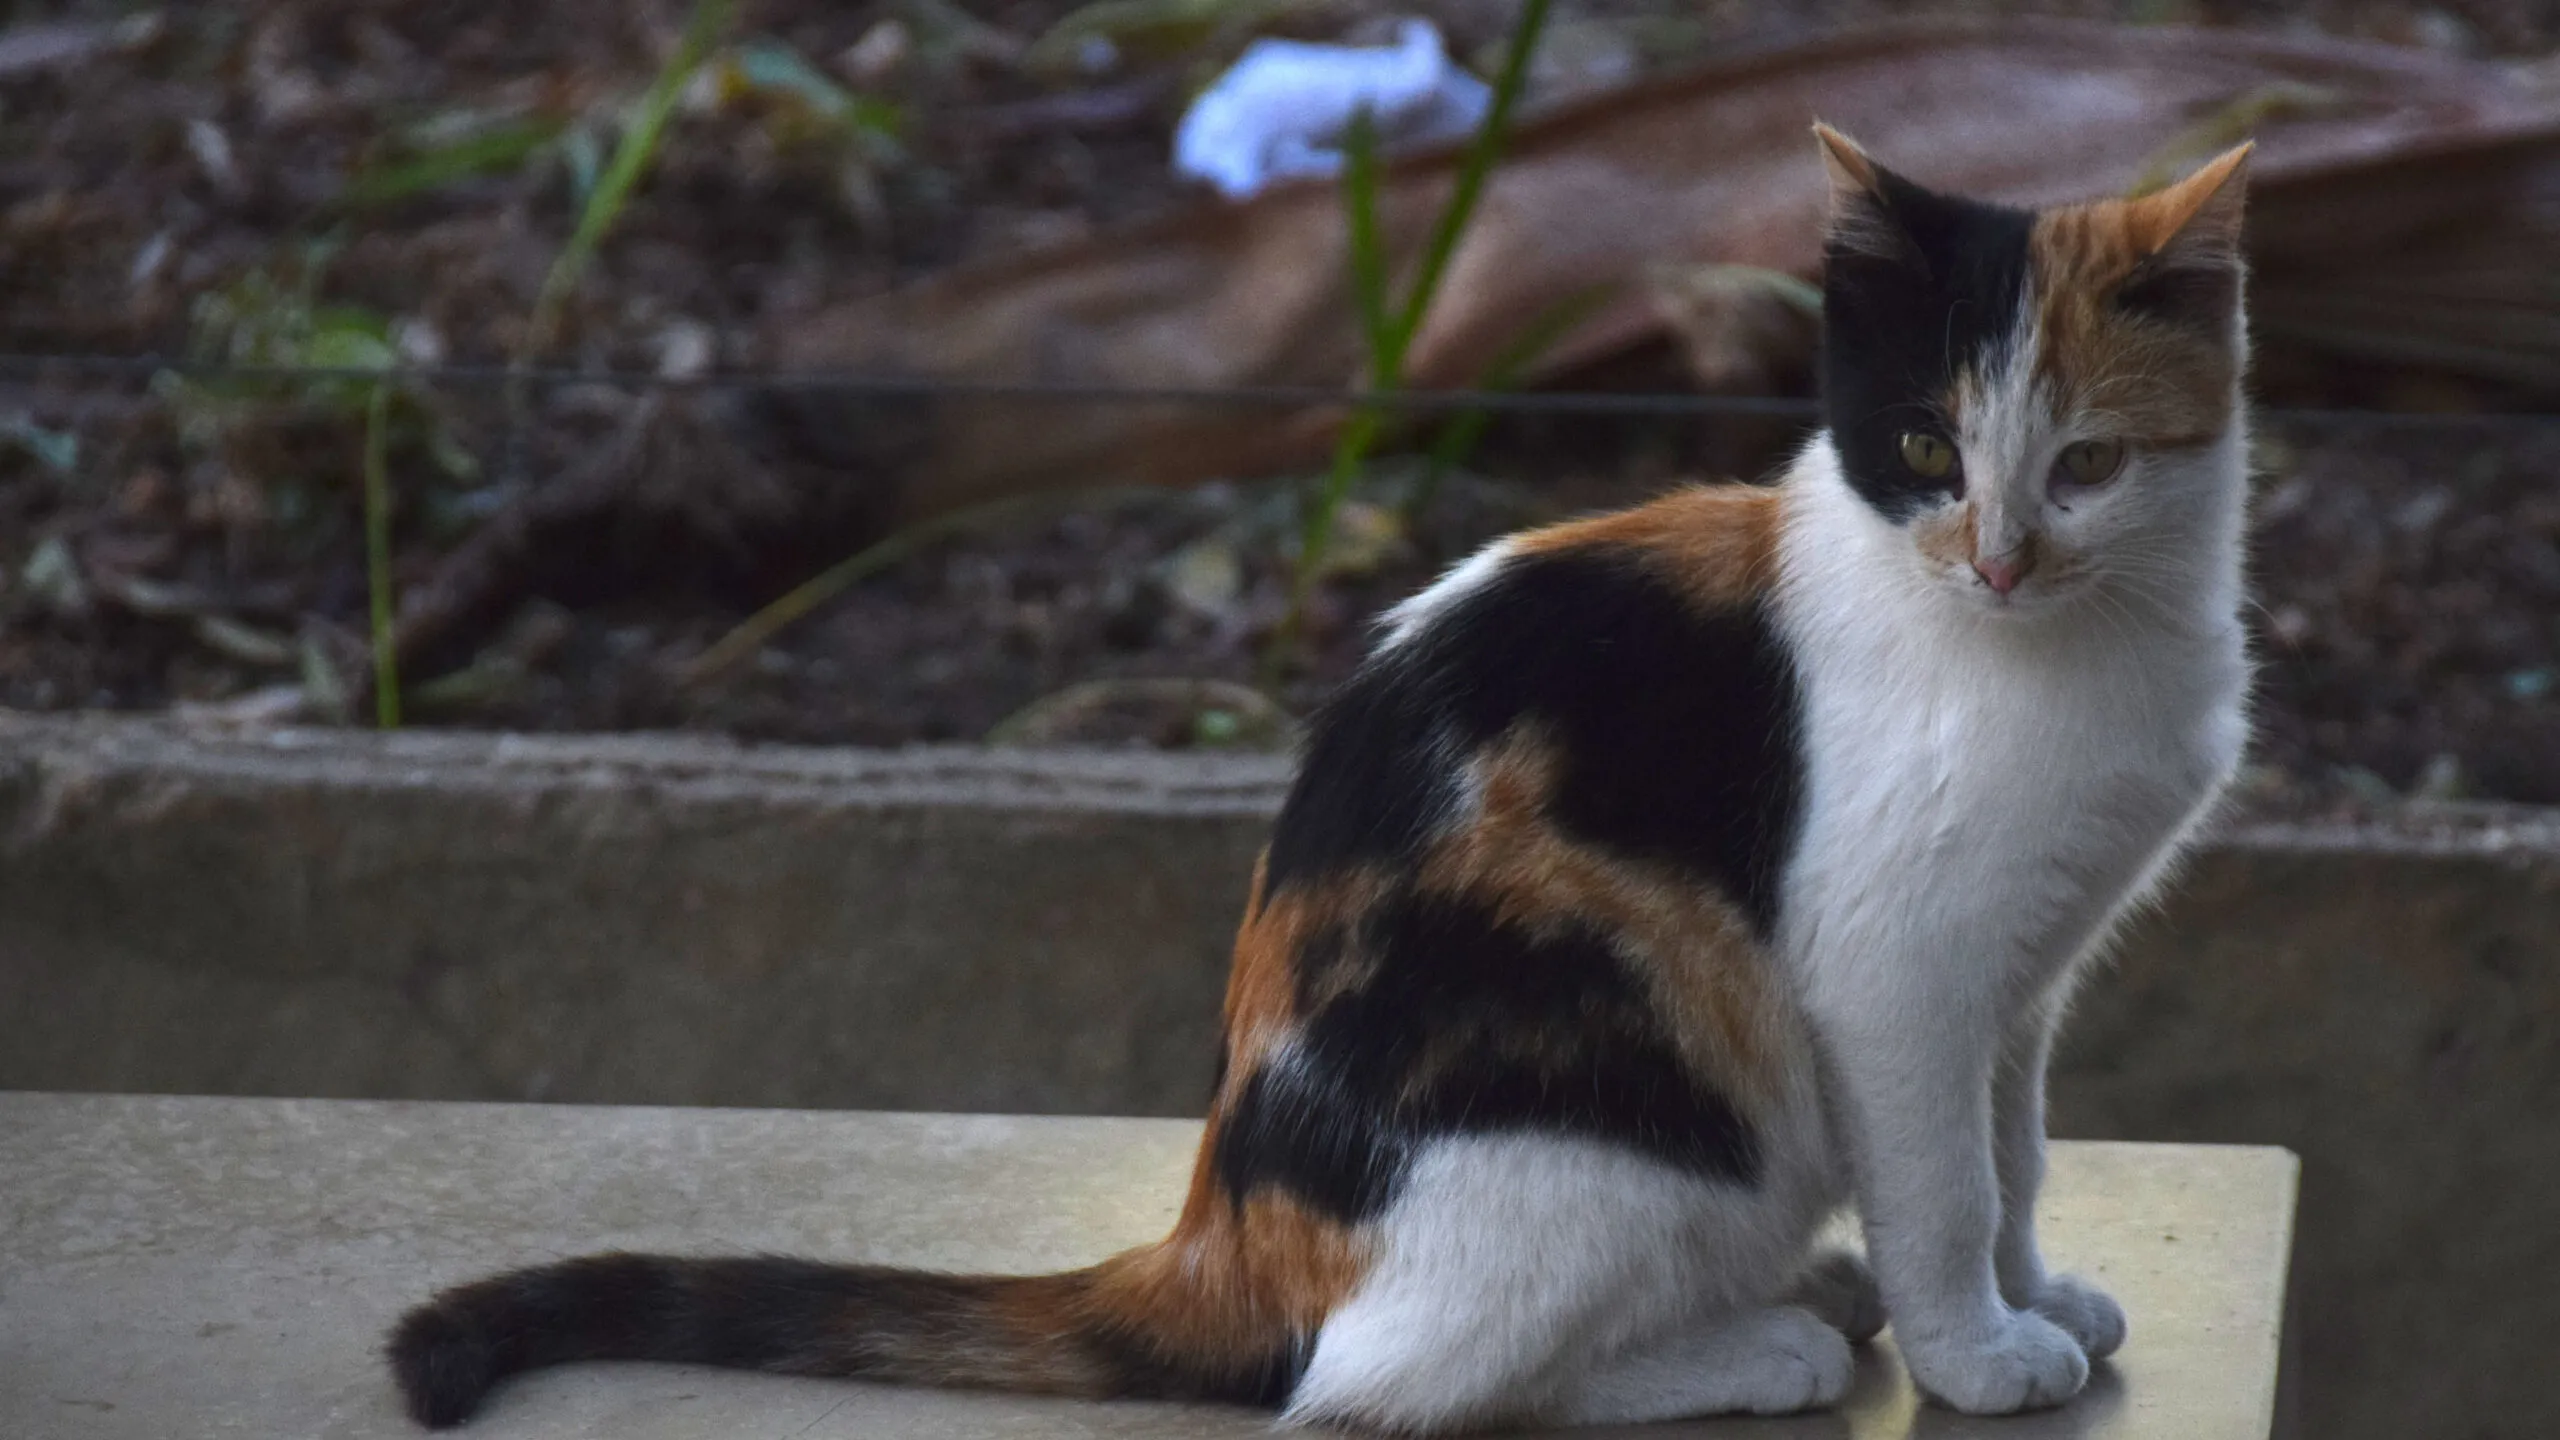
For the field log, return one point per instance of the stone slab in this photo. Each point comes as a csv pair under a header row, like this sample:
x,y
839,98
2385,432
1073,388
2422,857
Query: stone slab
x,y
225,1267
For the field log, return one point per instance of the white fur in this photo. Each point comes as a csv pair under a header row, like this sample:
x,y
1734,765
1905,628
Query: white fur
x,y
1525,1276
1400,623
1768,1360
1992,782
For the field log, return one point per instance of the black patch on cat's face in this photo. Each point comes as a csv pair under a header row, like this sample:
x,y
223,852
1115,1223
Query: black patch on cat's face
x,y
1676,728
1896,333
1465,1025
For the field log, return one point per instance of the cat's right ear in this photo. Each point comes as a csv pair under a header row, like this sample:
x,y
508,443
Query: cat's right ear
x,y
2188,235
1862,221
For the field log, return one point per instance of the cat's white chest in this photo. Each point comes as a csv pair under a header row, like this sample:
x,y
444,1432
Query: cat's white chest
x,y
1992,803
1983,791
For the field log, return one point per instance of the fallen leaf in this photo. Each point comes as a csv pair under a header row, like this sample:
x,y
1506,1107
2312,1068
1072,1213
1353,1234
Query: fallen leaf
x,y
2401,224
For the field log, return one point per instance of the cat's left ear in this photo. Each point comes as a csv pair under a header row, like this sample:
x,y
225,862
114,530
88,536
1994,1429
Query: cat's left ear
x,y
1863,221
2188,236
2199,215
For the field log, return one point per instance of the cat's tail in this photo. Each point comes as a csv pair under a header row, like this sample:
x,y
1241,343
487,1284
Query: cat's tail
x,y
1109,1330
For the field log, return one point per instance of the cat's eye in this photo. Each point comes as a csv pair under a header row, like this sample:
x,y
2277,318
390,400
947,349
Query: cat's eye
x,y
2090,462
1929,456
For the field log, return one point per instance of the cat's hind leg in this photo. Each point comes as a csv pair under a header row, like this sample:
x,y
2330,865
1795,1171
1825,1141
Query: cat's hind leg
x,y
1511,1266
1772,1361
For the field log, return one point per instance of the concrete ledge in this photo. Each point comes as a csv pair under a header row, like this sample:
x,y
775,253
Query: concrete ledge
x,y
201,1266
674,920
633,920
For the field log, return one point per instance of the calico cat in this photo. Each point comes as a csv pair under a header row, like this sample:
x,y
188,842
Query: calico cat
x,y
1663,882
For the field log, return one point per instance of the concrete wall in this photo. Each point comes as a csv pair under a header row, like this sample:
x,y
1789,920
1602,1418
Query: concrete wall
x,y
687,921
2390,1012
459,917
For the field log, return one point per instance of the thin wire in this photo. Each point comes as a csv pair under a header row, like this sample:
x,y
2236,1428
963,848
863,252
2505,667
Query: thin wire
x,y
898,387
864,385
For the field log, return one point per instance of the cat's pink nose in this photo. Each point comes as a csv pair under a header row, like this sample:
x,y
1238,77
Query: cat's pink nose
x,y
2001,575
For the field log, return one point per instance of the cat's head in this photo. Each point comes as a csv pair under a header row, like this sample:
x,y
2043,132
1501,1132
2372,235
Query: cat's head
x,y
2043,401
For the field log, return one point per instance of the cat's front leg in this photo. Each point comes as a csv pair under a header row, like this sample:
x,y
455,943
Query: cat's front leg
x,y
2085,1312
1915,1096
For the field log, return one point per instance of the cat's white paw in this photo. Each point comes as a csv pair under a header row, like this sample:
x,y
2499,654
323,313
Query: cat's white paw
x,y
1794,1362
1840,1290
2085,1313
2026,1363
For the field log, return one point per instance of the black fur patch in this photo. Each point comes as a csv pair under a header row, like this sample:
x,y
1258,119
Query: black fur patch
x,y
1473,1025
1468,1026
1678,728
444,1363
1897,332
756,1313
1676,734
447,1353
1294,1129
1368,788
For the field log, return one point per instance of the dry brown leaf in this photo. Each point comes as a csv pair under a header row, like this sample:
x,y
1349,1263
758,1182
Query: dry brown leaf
x,y
2401,219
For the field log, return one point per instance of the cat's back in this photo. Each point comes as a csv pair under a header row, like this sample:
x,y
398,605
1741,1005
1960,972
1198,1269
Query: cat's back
x,y
1627,668
1525,878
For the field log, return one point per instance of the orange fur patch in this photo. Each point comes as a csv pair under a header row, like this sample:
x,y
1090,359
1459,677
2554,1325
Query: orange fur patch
x,y
1233,1279
2151,382
1945,535
1949,536
1692,947
1232,1288
1261,984
1263,987
1718,542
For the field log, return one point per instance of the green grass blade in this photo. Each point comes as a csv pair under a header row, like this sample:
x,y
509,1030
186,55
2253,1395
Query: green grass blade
x,y
1387,342
505,148
631,157
1368,251
758,630
1458,438
377,554
1483,150
1350,451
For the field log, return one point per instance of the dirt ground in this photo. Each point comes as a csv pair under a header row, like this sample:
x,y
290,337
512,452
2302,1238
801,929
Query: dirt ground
x,y
294,183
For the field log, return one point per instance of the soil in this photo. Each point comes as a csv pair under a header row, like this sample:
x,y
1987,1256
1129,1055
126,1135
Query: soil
x,y
222,181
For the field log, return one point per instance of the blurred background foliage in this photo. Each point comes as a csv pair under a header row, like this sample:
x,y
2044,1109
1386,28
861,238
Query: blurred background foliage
x,y
661,191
